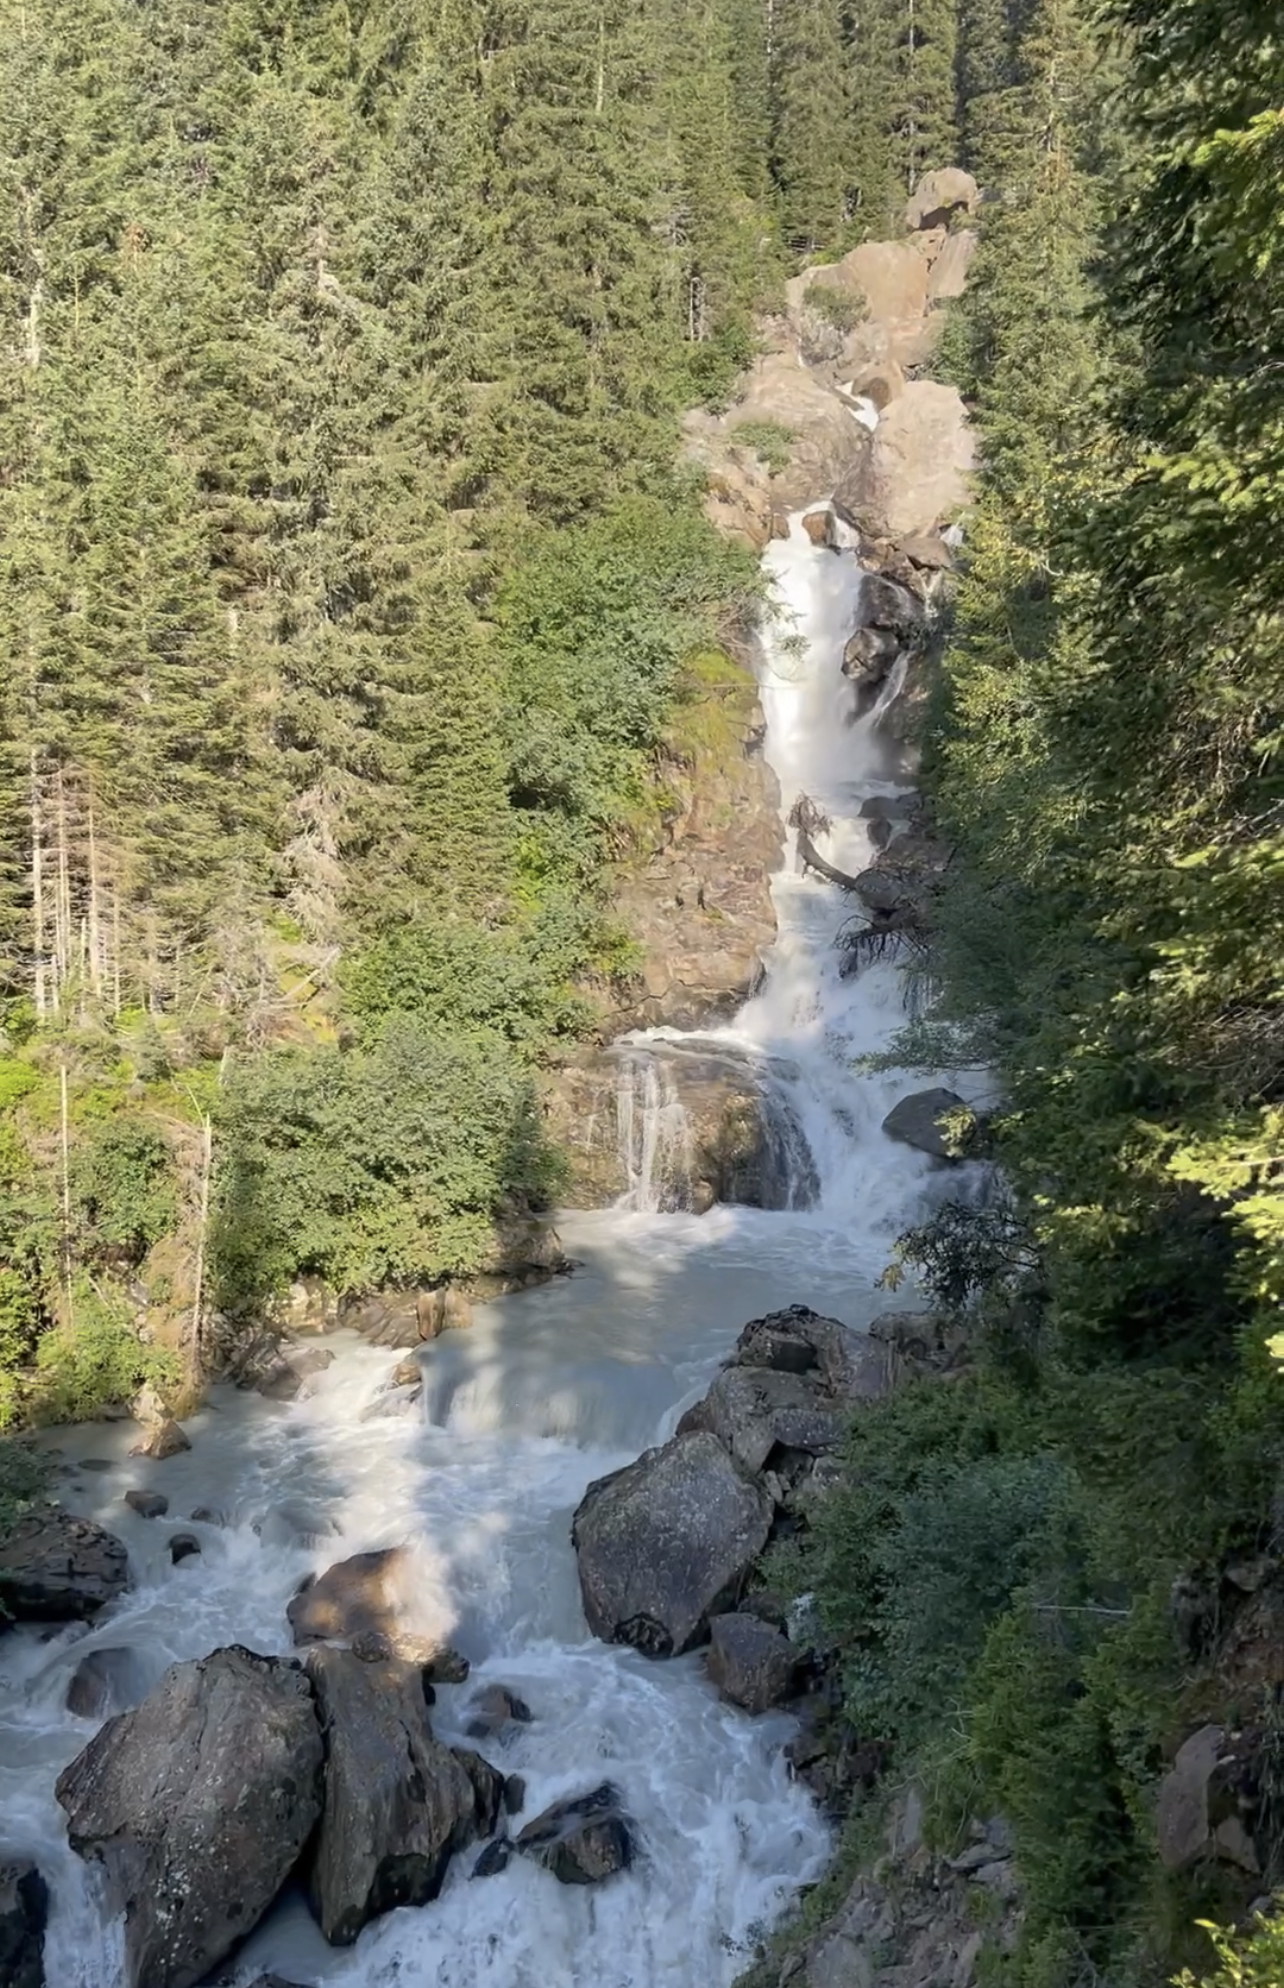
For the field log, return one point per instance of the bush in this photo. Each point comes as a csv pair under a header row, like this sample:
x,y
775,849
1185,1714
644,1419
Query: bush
x,y
842,309
123,1192
768,439
94,1358
931,1532
383,1164
1246,1960
468,980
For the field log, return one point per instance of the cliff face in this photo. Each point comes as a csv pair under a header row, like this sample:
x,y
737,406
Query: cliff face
x,y
694,894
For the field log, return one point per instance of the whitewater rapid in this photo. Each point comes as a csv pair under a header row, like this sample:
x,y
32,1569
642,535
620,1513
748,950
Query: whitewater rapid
x,y
547,1391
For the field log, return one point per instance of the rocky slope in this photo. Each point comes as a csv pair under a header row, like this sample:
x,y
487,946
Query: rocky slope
x,y
838,402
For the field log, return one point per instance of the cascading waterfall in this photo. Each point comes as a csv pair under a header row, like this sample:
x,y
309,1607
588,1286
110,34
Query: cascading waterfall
x,y
654,1136
545,1392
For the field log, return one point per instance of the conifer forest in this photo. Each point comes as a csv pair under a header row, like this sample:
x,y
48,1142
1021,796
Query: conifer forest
x,y
357,597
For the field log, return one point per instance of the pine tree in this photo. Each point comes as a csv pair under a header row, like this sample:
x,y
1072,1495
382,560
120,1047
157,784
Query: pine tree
x,y
986,78
810,127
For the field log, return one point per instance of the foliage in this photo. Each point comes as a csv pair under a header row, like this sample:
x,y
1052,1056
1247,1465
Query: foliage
x,y
383,1164
769,440
1252,1960
122,1189
94,1357
24,1473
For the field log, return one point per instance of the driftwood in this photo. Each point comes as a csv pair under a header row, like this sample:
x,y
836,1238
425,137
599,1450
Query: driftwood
x,y
813,860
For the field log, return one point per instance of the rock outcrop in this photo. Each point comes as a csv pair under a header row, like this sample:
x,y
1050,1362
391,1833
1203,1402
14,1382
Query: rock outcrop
x,y
583,1840
56,1568
667,1542
107,1680
24,1908
754,1411
671,1541
914,469
198,1805
709,1122
398,1803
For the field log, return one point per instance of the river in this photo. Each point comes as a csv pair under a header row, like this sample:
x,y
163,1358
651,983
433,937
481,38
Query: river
x,y
546,1391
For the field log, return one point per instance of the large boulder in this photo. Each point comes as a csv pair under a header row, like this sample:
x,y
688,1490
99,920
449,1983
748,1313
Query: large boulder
x,y
885,605
914,469
870,654
888,278
844,1366
198,1805
939,196
398,1803
750,1662
754,1411
365,1601
948,275
583,1840
667,1542
917,1121
56,1568
24,1908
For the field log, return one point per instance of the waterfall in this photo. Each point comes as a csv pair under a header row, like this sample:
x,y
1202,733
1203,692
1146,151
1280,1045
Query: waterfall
x,y
654,1137
546,1391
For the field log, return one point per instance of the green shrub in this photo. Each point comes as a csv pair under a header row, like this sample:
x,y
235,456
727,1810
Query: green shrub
x,y
382,1164
123,1192
769,439
842,309
93,1358
1244,1960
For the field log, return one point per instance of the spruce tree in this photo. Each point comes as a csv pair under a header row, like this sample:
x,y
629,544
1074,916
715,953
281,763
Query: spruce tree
x,y
810,126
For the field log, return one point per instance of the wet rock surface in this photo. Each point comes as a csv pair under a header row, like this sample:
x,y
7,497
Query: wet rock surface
x,y
56,1568
752,1664
583,1840
397,1802
667,1542
107,1680
24,1908
198,1804
918,1120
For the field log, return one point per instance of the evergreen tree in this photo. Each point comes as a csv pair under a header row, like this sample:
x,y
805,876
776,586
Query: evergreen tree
x,y
810,125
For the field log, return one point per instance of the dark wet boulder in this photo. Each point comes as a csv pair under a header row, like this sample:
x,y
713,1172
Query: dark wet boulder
x,y
667,1542
583,1840
495,1858
514,1795
147,1504
24,1908
398,1803
751,1663
870,654
108,1680
56,1568
756,1410
493,1708
886,604
488,1790
917,1121
198,1805
183,1546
